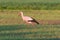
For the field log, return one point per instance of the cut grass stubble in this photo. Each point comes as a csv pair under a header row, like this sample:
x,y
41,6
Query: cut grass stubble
x,y
10,17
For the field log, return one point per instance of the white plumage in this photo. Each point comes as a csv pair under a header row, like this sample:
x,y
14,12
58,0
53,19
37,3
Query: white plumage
x,y
28,19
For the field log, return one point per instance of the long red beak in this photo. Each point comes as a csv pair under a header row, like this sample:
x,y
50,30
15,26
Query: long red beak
x,y
19,14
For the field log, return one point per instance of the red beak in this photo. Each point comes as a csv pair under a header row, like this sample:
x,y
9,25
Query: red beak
x,y
19,14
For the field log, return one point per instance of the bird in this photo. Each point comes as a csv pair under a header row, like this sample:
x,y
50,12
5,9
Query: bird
x,y
27,19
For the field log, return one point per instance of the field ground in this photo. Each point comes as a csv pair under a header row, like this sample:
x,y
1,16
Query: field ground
x,y
22,32
46,12
42,16
13,28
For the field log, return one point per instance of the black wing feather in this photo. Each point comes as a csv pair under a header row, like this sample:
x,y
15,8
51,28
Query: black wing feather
x,y
33,20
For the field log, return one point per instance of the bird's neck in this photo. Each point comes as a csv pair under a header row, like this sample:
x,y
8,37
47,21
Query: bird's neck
x,y
22,15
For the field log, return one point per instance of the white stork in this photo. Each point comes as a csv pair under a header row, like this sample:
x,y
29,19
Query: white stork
x,y
27,19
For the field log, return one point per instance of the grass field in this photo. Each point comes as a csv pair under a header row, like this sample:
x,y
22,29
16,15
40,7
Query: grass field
x,y
30,4
13,28
22,32
46,12
42,16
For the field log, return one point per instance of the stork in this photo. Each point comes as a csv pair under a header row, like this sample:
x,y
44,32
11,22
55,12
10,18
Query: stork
x,y
27,19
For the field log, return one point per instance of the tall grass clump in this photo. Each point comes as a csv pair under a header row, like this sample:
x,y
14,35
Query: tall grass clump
x,y
30,4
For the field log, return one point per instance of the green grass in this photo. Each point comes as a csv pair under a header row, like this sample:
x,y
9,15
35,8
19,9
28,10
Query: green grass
x,y
30,4
13,28
22,32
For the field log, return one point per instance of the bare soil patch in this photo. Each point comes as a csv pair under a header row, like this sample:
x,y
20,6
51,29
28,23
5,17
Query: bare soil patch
x,y
49,21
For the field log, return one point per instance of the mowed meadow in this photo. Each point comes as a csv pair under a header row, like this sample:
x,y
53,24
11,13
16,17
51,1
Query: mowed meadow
x,y
46,12
10,17
22,32
12,26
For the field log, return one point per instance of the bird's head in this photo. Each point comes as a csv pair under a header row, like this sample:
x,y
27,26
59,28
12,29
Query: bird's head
x,y
20,13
